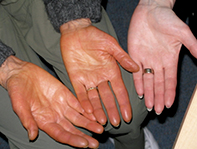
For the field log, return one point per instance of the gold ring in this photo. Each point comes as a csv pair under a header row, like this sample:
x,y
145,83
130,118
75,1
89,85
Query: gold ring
x,y
91,88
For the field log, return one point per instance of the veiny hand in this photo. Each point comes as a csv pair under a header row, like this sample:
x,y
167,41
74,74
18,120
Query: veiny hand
x,y
155,38
41,101
90,56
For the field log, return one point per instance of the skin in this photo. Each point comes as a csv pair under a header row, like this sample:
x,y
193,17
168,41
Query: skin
x,y
155,38
154,41
42,102
90,56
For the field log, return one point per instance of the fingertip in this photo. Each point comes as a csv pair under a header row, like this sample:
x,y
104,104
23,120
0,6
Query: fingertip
x,y
158,113
100,130
138,85
102,121
168,105
131,66
115,122
149,105
136,68
159,110
81,142
169,99
94,144
95,127
149,109
32,134
87,106
126,113
140,96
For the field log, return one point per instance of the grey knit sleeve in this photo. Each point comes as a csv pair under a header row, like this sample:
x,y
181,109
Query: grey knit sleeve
x,y
5,52
62,11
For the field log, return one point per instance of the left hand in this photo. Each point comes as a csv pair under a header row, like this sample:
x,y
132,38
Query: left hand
x,y
155,38
90,56
43,102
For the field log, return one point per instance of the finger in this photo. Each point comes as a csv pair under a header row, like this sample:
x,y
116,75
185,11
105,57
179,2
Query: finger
x,y
148,90
159,90
138,81
98,109
74,103
170,84
122,57
109,103
60,134
70,128
71,100
79,120
122,97
189,40
83,97
24,113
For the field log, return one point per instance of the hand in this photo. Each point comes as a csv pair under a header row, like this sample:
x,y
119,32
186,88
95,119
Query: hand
x,y
155,38
90,57
41,101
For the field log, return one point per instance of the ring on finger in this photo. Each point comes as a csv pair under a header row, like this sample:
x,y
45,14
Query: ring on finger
x,y
148,70
91,88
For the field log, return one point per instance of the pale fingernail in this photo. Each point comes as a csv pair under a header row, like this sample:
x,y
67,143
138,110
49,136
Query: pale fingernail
x,y
140,96
168,107
149,109
157,113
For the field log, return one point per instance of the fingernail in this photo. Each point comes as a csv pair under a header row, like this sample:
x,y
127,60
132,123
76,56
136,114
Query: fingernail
x,y
140,96
157,113
116,125
149,109
29,134
168,107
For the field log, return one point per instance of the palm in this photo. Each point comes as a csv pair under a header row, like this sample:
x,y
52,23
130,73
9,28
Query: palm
x,y
43,102
154,41
90,58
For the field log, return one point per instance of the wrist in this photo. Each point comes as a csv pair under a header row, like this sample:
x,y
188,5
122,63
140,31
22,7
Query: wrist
x,y
10,67
74,25
164,3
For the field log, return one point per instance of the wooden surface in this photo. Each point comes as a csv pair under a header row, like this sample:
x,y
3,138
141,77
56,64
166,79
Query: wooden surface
x,y
187,136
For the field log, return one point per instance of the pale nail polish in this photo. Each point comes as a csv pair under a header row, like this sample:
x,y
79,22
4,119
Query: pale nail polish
x,y
149,110
141,97
157,113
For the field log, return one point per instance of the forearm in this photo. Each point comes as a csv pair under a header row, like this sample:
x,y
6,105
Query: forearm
x,y
63,11
165,3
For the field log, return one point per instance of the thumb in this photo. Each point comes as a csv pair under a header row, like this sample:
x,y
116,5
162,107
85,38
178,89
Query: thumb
x,y
189,40
24,113
29,123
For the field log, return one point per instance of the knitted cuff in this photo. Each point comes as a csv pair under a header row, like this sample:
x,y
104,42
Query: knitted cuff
x,y
62,11
5,52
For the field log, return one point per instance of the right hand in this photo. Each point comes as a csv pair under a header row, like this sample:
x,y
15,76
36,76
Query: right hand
x,y
42,102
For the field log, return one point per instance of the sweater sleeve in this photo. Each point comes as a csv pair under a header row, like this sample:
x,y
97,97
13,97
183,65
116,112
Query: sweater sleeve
x,y
62,11
5,52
